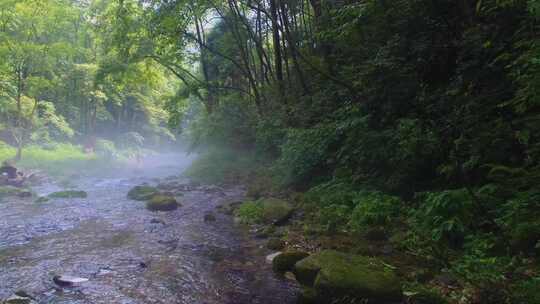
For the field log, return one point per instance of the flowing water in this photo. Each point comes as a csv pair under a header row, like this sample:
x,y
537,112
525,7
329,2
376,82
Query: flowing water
x,y
132,255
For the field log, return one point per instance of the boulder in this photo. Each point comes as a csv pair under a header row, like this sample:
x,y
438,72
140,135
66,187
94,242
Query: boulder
x,y
286,260
275,244
264,211
17,299
42,199
209,217
160,202
68,194
142,193
336,275
8,170
270,258
6,191
275,211
66,280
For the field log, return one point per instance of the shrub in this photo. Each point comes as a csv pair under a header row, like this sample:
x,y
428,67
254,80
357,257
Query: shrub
x,y
374,208
106,149
444,216
250,212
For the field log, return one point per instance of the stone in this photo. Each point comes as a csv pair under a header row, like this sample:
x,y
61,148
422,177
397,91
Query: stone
x,y
142,193
265,211
275,211
160,202
65,280
209,217
275,244
42,199
272,256
17,299
286,260
336,275
68,194
9,170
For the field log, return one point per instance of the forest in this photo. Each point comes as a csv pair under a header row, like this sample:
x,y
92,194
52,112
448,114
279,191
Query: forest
x,y
389,150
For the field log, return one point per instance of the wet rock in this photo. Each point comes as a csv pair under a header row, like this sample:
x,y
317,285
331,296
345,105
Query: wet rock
x,y
65,280
275,244
160,202
272,256
209,217
142,193
157,221
8,170
228,209
275,211
265,211
266,232
24,194
286,261
42,199
17,299
7,191
68,194
143,265
334,275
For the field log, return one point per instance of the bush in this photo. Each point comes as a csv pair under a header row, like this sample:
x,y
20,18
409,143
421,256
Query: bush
x,y
106,149
374,208
445,216
250,212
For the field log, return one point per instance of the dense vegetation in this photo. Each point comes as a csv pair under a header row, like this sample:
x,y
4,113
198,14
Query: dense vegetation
x,y
62,80
417,117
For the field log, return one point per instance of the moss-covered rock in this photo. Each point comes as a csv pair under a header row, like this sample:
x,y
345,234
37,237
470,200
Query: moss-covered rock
x,y
336,275
160,202
286,260
265,211
142,193
68,194
275,244
42,199
6,191
426,296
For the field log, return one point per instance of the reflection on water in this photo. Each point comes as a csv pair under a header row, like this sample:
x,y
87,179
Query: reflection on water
x,y
129,254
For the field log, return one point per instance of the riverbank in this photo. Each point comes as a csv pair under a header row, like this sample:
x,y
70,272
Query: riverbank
x,y
426,240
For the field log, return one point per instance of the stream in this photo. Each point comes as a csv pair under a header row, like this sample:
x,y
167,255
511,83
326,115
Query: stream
x,y
130,254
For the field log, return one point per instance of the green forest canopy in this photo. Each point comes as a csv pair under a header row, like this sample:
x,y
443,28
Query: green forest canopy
x,y
433,102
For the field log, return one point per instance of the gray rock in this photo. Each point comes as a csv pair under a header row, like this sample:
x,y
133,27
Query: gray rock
x,y
270,258
17,299
66,280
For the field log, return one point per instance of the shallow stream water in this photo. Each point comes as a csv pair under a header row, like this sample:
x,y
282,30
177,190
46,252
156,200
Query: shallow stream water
x,y
132,255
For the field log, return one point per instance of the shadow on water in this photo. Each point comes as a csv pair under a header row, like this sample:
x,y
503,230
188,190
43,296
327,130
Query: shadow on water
x,y
129,254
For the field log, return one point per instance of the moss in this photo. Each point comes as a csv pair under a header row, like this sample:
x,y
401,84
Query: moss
x,y
336,275
142,193
42,199
275,244
6,191
68,194
307,296
162,203
427,296
265,211
286,260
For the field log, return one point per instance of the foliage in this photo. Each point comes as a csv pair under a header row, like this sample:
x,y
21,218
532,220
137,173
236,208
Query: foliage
x,y
250,212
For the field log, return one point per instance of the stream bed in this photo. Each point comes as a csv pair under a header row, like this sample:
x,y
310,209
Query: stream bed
x,y
132,255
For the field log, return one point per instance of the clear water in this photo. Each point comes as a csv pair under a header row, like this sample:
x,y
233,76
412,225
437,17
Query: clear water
x,y
129,254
